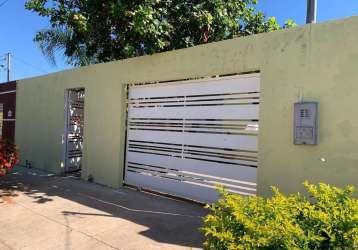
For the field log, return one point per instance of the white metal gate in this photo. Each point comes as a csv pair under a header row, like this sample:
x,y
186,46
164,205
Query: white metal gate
x,y
184,138
74,129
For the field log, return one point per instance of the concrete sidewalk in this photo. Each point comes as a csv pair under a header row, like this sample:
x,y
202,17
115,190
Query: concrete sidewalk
x,y
41,211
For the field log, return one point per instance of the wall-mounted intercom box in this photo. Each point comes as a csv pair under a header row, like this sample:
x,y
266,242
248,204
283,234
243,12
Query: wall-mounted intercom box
x,y
305,123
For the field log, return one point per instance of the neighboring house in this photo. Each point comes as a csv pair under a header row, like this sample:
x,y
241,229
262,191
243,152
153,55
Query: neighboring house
x,y
7,110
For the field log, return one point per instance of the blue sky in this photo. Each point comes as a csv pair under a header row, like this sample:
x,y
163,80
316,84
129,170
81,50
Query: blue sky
x,y
18,27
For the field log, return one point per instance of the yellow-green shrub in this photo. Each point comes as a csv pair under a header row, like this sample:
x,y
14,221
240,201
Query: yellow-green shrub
x,y
328,219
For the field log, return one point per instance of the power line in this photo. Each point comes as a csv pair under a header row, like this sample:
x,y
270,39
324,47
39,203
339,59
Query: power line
x,y
29,64
3,3
3,58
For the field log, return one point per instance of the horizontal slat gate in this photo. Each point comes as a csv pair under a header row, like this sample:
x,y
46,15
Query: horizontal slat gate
x,y
185,138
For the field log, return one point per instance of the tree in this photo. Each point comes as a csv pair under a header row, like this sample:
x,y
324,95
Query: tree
x,y
92,31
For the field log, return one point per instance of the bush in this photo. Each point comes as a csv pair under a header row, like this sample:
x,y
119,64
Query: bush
x,y
328,219
8,157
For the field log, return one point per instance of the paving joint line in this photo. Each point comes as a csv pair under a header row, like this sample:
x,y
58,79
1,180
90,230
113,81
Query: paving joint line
x,y
67,226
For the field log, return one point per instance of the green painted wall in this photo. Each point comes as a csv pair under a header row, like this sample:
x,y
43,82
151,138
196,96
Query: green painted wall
x,y
318,62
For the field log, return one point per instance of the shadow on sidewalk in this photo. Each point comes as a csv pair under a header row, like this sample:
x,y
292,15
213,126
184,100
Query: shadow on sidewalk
x,y
168,221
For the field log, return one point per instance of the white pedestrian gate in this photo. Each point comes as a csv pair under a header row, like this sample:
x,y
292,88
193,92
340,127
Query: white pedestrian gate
x,y
185,138
74,129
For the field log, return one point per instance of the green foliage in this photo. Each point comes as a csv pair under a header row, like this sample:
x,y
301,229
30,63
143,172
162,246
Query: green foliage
x,y
101,31
8,156
326,220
